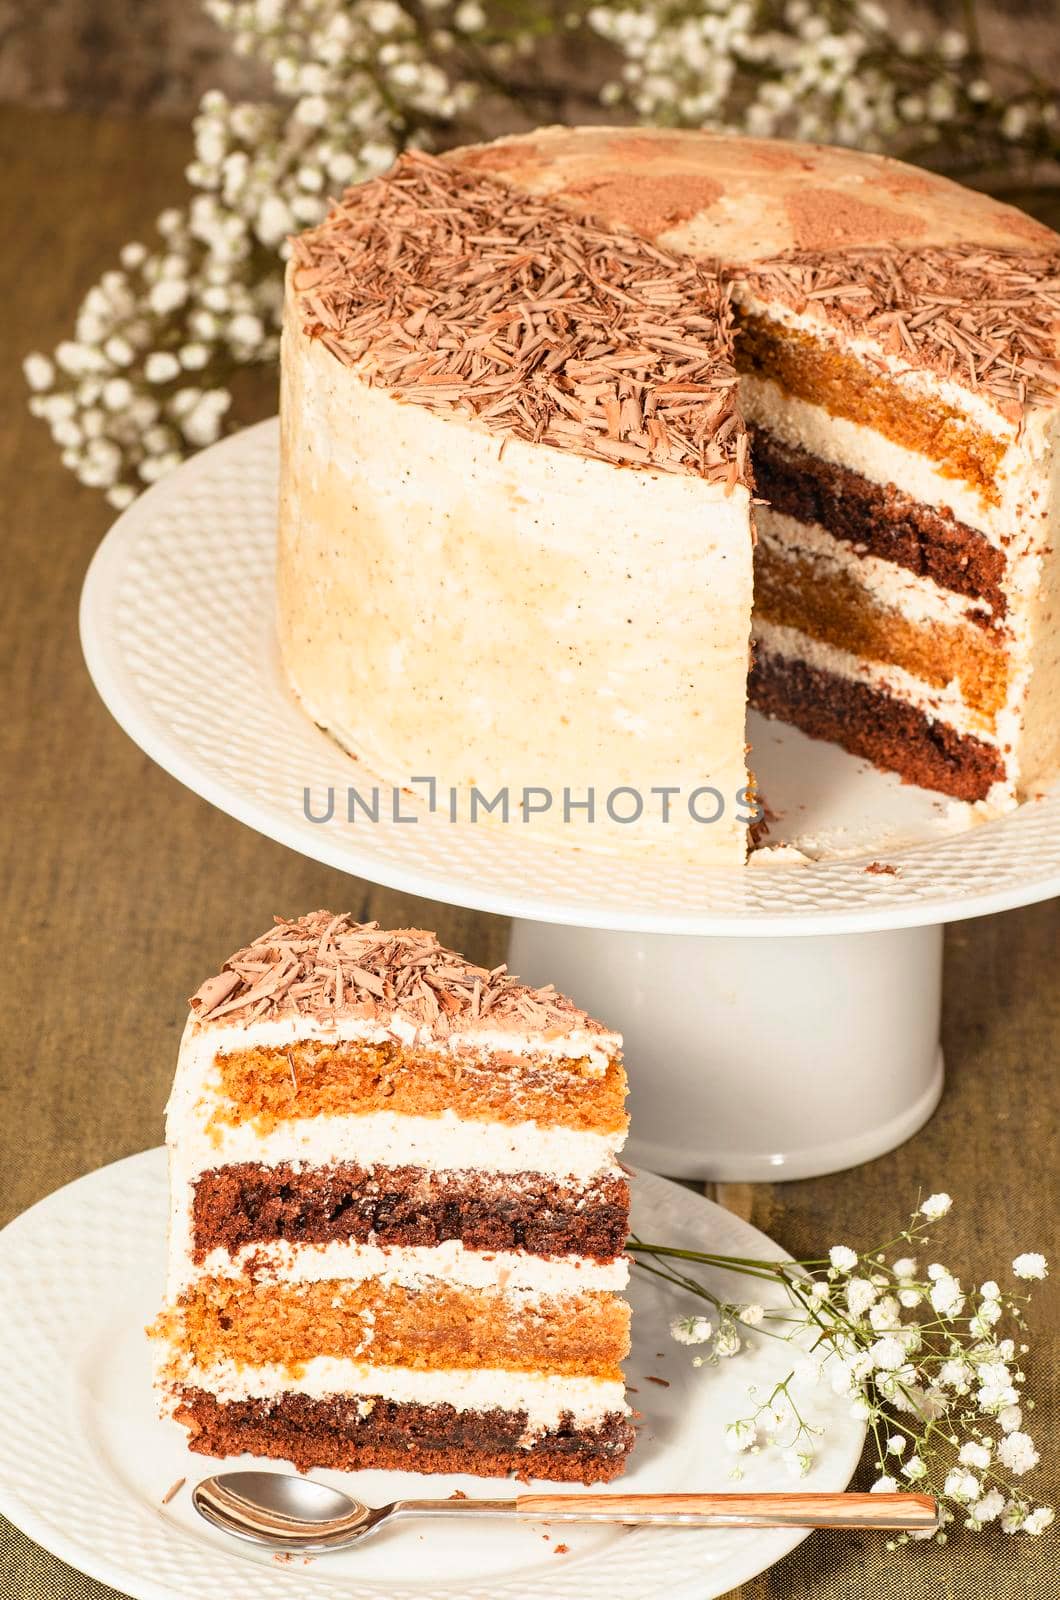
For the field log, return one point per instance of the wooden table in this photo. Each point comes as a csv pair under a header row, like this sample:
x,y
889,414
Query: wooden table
x,y
121,891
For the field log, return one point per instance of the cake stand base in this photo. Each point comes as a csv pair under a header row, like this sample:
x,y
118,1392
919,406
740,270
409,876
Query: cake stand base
x,y
759,1059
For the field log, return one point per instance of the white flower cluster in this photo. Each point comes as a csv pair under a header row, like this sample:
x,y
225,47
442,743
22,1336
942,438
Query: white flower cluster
x,y
924,1362
145,379
837,73
721,1340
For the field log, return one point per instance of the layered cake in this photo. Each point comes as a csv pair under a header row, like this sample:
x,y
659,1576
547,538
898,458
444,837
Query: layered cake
x,y
592,438
397,1221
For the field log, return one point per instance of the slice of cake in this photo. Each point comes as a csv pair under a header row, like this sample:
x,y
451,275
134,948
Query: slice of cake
x,y
398,1221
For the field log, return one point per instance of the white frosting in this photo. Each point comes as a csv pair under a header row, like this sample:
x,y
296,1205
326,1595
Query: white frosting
x,y
391,1139
543,1396
513,1272
552,621
1038,632
224,1033
916,596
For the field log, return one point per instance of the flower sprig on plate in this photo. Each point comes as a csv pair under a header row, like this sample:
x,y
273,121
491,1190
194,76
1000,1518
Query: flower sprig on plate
x,y
934,1370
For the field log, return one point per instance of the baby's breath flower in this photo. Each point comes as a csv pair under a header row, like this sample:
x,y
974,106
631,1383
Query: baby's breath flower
x,y
885,1315
962,1485
161,366
843,1259
888,1353
935,1206
726,1341
39,372
1016,1451
945,1295
988,1508
691,1330
740,1435
1030,1265
860,1295
752,1315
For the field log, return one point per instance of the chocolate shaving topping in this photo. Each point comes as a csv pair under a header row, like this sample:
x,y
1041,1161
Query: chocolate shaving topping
x,y
323,966
452,290
988,319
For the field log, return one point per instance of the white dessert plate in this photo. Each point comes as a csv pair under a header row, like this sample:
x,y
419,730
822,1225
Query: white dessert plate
x,y
177,625
87,1463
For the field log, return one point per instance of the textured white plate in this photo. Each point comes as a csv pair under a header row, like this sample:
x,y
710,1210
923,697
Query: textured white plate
x,y
86,1462
178,632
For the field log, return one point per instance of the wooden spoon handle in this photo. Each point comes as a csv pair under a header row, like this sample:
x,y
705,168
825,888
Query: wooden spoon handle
x,y
917,1511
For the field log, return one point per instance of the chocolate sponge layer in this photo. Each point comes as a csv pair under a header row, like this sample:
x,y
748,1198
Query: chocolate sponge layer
x,y
870,723
247,1203
352,1433
881,519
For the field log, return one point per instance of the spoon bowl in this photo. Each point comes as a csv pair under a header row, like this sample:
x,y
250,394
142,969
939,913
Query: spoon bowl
x,y
284,1512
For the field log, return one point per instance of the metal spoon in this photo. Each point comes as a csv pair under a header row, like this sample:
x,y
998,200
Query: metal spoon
x,y
284,1512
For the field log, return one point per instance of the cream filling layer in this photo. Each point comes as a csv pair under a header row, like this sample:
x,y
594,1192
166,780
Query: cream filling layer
x,y
850,444
446,1143
919,598
944,704
510,1271
203,1040
544,1397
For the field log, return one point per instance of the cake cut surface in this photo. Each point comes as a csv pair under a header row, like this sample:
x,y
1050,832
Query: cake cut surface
x,y
368,1267
595,602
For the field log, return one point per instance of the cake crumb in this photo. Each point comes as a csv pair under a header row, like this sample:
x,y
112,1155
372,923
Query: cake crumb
x,y
458,1494
561,1550
172,1492
883,867
664,1383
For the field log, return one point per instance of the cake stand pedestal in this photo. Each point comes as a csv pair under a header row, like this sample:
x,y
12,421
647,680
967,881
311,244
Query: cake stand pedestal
x,y
780,1020
762,1059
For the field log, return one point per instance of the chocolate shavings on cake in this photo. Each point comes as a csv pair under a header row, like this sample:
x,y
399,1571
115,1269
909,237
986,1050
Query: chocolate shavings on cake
x,y
454,291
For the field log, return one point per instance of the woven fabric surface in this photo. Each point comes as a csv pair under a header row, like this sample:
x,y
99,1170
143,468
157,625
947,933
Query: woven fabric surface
x,y
121,891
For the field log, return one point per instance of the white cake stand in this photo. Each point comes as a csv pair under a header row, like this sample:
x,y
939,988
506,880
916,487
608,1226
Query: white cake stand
x,y
780,1020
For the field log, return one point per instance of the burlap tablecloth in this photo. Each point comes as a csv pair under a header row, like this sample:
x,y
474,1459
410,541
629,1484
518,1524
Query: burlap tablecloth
x,y
121,890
